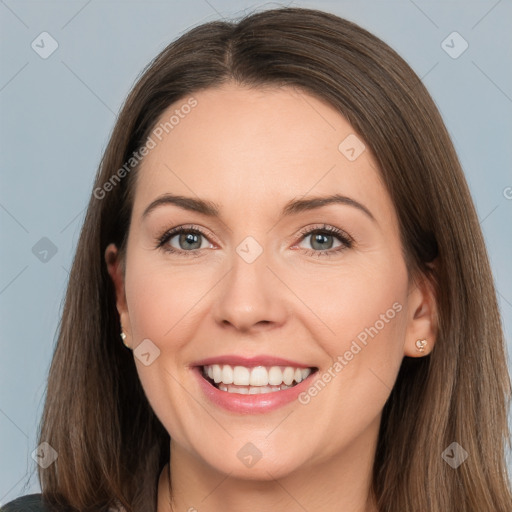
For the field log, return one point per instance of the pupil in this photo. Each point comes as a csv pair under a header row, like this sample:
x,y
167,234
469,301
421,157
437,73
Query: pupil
x,y
321,238
190,238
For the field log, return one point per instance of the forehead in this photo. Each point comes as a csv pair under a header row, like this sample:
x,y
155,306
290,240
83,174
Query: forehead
x,y
258,148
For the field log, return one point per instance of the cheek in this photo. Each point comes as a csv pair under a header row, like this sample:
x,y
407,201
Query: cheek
x,y
161,299
366,310
159,303
357,303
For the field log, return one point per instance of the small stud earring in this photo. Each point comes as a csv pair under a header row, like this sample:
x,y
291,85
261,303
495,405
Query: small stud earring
x,y
420,345
123,337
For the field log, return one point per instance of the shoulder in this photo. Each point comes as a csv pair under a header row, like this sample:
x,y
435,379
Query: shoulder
x,y
29,503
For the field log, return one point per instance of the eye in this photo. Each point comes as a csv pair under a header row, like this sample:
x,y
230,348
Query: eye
x,y
189,240
326,240
183,240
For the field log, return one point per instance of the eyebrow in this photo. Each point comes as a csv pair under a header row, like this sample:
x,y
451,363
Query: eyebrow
x,y
293,207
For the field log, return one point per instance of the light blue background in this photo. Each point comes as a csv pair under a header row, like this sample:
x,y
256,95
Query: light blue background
x,y
56,116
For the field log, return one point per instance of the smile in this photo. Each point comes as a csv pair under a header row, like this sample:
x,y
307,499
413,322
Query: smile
x,y
253,384
254,380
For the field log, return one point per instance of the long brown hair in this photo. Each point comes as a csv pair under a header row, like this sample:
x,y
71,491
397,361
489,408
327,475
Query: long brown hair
x,y
112,447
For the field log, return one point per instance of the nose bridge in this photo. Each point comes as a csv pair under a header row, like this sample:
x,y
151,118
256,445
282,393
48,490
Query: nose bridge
x,y
250,294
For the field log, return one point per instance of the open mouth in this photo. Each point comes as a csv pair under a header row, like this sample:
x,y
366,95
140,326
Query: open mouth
x,y
254,380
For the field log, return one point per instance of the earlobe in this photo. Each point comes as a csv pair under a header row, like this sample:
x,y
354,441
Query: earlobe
x,y
421,333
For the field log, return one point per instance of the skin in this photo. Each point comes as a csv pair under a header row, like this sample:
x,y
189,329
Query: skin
x,y
251,151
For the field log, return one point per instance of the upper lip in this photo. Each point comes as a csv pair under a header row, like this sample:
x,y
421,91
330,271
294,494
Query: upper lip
x,y
261,360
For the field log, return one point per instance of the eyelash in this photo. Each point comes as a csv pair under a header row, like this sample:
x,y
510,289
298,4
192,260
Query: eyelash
x,y
346,241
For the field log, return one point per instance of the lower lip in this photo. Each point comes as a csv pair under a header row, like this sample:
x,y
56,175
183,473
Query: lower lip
x,y
264,402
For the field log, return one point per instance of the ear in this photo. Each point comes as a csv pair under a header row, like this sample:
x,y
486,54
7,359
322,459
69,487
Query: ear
x,y
422,321
115,267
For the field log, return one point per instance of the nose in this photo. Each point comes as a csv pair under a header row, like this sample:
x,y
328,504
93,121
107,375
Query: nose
x,y
250,297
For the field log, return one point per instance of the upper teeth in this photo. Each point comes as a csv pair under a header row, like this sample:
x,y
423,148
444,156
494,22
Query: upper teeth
x,y
255,376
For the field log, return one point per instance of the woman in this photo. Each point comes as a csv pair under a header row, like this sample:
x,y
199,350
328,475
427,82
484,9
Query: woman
x,y
281,235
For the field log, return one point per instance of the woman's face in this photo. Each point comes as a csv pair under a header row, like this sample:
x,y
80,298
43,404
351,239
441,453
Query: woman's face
x,y
271,277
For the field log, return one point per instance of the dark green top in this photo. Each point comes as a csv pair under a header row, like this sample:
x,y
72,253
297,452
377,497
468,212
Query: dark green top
x,y
35,503
29,503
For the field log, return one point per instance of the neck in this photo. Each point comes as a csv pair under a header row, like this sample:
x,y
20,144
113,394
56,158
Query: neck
x,y
340,483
